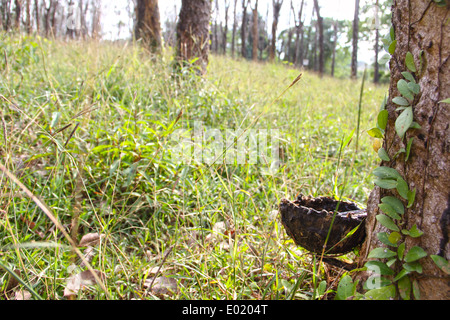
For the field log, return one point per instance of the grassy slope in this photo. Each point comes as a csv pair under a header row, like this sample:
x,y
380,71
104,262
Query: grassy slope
x,y
116,172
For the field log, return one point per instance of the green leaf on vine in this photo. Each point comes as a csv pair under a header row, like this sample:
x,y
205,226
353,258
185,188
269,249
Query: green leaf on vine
x,y
415,125
384,59
408,76
384,238
411,196
384,293
379,267
381,253
402,188
404,121
409,60
413,232
346,288
408,148
401,274
442,263
387,222
400,101
401,250
415,253
395,203
394,237
388,210
382,119
386,183
402,87
414,87
383,154
383,172
413,267
445,101
376,133
404,288
391,48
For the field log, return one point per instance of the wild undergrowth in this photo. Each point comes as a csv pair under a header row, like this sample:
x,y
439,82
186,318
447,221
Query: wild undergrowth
x,y
88,128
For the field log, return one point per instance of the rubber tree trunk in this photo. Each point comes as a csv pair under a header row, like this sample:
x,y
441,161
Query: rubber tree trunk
x,y
233,32
276,14
18,10
244,29
147,25
255,34
421,28
193,32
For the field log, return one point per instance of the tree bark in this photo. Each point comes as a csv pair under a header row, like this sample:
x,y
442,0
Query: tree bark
x,y
215,37
233,33
244,29
420,28
28,19
276,14
148,26
18,9
36,12
255,34
298,31
376,46
6,12
96,17
333,59
193,32
225,31
354,66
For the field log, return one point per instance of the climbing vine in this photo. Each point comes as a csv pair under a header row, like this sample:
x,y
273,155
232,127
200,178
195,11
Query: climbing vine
x,y
392,265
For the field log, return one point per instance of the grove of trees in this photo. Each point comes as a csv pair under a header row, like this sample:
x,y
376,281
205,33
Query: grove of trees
x,y
310,41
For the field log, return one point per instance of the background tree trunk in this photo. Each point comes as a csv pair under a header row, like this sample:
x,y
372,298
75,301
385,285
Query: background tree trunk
x,y
28,18
276,13
255,34
244,29
354,66
193,32
96,17
377,46
147,26
333,57
421,28
320,40
215,37
298,30
225,31
18,9
233,33
36,12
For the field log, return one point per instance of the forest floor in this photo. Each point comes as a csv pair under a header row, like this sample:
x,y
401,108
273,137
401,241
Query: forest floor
x,y
96,132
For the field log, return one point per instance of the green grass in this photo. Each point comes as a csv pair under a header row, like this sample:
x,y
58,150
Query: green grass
x,y
115,173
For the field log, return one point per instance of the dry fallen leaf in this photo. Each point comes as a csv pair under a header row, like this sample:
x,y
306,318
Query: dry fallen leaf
x,y
22,295
162,285
80,280
90,239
